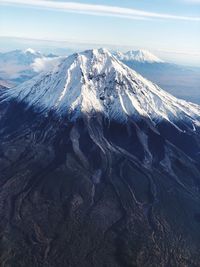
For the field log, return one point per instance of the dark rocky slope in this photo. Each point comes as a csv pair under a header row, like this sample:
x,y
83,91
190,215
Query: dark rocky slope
x,y
78,194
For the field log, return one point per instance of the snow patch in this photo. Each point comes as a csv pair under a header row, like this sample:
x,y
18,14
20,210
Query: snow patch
x,y
31,51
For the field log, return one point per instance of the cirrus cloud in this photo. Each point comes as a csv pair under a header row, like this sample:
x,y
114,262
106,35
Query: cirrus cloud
x,y
98,10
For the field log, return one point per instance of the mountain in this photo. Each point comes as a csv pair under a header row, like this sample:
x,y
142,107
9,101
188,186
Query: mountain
x,y
98,167
181,81
18,66
142,56
117,96
25,57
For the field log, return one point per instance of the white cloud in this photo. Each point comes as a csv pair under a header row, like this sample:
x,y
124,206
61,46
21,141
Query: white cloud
x,y
45,64
98,10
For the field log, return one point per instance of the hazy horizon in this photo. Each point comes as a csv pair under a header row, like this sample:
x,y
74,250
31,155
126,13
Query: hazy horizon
x,y
169,30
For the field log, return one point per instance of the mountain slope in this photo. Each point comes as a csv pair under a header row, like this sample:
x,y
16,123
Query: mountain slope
x,y
93,173
3,87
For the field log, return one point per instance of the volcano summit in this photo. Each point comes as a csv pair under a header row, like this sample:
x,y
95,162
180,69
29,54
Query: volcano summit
x,y
98,167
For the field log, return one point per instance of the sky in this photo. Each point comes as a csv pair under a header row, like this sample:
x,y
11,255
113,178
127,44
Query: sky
x,y
170,29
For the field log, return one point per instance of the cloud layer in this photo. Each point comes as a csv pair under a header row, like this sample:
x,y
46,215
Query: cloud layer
x,y
98,10
45,64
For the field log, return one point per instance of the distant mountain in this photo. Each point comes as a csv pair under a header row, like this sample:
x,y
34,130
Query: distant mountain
x,y
142,56
18,66
20,57
98,167
181,81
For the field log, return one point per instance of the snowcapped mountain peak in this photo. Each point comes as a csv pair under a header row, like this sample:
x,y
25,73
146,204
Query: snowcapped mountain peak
x,y
142,56
94,81
31,51
94,54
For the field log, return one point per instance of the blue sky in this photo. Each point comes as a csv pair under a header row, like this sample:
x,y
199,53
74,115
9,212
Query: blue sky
x,y
170,29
